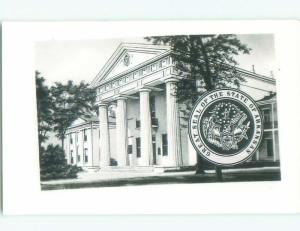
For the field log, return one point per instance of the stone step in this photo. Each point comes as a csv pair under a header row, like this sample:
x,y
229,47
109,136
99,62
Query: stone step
x,y
90,168
142,169
146,169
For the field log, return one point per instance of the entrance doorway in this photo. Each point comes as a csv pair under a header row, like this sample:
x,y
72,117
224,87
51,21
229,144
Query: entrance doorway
x,y
154,149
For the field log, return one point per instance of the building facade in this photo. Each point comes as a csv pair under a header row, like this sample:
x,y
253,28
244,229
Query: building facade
x,y
139,81
269,147
81,142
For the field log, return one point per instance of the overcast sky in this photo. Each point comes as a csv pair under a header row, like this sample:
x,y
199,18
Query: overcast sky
x,y
60,61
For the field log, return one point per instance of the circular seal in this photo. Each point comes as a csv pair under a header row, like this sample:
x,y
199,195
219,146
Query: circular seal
x,y
225,126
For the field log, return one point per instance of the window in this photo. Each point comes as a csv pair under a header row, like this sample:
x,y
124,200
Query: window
x,y
71,155
71,139
267,115
137,124
86,158
129,149
159,151
138,147
84,135
152,106
78,156
164,144
270,148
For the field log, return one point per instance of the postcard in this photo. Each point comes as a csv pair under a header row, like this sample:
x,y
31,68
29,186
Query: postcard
x,y
150,117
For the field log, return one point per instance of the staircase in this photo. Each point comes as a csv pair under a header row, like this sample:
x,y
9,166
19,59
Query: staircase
x,y
146,169
131,169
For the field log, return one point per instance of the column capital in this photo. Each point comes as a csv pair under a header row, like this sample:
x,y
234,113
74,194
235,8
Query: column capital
x,y
172,79
102,104
144,89
121,97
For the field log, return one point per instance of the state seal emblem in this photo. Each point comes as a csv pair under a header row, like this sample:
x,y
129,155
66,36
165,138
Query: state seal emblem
x,y
225,126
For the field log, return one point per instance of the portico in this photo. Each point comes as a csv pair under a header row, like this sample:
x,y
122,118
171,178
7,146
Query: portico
x,y
138,82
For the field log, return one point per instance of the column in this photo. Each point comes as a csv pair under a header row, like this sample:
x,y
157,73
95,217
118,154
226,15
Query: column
x,y
173,125
92,146
191,152
121,123
273,132
104,135
145,129
257,154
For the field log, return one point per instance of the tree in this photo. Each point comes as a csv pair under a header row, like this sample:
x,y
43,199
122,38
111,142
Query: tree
x,y
70,101
44,109
53,164
206,62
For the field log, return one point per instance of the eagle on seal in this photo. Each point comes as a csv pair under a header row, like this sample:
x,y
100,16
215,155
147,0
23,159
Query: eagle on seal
x,y
226,126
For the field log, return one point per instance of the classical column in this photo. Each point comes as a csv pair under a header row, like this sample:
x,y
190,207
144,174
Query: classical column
x,y
121,123
145,128
191,152
257,155
104,135
173,126
273,132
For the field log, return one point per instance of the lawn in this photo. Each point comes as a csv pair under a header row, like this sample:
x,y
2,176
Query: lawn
x,y
178,178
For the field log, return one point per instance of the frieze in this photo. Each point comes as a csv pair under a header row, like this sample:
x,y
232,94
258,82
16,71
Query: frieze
x,y
164,65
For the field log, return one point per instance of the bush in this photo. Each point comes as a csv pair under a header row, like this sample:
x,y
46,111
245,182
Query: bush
x,y
53,164
113,162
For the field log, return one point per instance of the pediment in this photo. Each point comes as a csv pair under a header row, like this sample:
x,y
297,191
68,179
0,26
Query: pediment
x,y
126,57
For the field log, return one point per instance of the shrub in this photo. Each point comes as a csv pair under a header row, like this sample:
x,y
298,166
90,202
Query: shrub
x,y
53,164
113,162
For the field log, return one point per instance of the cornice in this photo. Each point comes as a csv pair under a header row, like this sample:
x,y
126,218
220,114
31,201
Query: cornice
x,y
133,47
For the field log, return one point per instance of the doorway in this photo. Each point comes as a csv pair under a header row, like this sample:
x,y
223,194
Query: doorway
x,y
154,150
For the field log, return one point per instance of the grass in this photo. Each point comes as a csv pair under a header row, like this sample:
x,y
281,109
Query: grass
x,y
270,175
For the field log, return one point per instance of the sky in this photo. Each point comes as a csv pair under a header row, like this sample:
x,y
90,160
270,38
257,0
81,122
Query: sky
x,y
81,60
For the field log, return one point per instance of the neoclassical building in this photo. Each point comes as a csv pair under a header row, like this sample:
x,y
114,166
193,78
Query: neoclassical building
x,y
138,80
81,144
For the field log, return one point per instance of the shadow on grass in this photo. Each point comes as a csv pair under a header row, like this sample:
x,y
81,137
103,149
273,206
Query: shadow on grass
x,y
156,180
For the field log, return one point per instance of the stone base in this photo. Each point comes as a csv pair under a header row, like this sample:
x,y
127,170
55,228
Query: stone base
x,y
91,168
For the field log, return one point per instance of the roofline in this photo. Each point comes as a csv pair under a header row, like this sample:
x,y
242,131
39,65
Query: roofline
x,y
119,50
83,124
108,65
136,67
88,123
264,102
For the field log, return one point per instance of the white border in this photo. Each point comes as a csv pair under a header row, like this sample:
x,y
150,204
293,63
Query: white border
x,y
21,186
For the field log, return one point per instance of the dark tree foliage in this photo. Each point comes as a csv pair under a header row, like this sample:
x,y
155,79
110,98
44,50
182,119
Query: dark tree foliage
x,y
70,102
206,62
44,108
53,164
57,108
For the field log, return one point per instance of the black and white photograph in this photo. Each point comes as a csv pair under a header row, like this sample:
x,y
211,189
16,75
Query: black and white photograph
x,y
168,117
156,115
168,109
